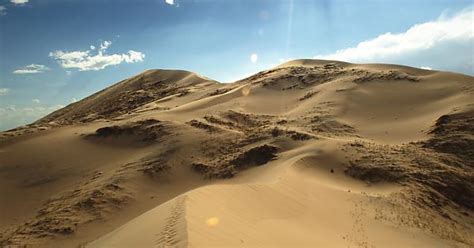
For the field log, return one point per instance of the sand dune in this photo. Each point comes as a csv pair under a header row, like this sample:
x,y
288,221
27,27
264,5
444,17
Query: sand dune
x,y
311,153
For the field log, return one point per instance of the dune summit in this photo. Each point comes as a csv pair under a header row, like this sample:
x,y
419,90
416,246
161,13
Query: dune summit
x,y
311,153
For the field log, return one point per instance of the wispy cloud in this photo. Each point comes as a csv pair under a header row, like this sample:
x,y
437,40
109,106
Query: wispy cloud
x,y
31,69
86,61
35,100
4,91
3,10
439,44
19,2
104,45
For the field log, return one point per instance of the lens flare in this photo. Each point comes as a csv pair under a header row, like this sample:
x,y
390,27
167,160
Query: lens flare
x,y
212,222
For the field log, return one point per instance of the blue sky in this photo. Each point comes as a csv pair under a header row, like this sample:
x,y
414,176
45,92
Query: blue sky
x,y
53,52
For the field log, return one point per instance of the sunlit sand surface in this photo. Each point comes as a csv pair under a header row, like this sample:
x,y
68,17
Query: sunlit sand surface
x,y
310,153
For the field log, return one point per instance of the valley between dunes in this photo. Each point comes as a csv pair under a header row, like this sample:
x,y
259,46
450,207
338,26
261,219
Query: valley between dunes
x,y
311,153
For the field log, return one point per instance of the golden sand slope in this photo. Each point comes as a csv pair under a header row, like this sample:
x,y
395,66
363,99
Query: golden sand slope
x,y
308,154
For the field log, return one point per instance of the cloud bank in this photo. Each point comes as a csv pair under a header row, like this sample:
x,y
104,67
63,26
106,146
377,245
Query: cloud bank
x,y
86,61
19,2
31,69
13,116
446,43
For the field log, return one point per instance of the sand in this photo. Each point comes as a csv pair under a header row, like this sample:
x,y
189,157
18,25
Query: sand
x,y
311,153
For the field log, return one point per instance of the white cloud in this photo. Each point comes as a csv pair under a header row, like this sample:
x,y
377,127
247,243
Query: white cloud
x,y
19,2
85,61
13,116
31,69
446,43
104,45
254,58
170,2
3,10
35,100
426,68
92,47
4,91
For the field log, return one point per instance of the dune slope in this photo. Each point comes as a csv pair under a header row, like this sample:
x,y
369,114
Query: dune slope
x,y
310,153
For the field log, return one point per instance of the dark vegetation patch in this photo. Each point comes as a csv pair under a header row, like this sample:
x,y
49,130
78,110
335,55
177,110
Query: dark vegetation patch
x,y
144,131
294,135
219,91
257,127
232,164
213,172
62,215
240,121
256,156
154,166
218,121
391,75
297,77
290,87
376,174
183,92
329,126
202,125
308,95
439,179
454,134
